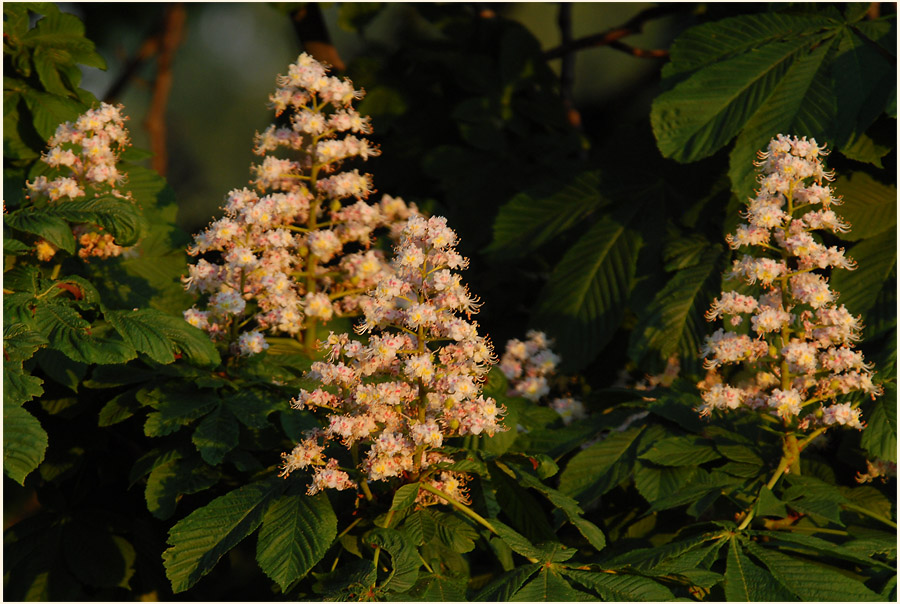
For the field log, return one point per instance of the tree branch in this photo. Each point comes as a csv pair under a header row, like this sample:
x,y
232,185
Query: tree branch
x,y
169,40
632,26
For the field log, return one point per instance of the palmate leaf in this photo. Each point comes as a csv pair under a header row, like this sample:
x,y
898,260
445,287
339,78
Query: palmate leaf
x,y
503,587
547,586
708,43
653,483
812,582
296,532
530,220
621,588
747,582
582,303
198,541
49,111
437,588
37,222
880,436
24,442
118,216
800,103
680,451
405,496
876,258
869,206
673,322
216,435
70,334
160,336
405,560
704,112
600,467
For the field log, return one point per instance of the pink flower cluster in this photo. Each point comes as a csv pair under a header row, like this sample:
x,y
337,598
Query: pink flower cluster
x,y
85,155
529,365
296,248
414,384
798,344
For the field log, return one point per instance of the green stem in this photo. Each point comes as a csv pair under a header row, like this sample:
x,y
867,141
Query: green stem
x,y
459,506
870,514
349,527
387,524
813,529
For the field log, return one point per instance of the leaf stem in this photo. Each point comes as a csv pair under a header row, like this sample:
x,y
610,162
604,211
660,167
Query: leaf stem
x,y
870,514
459,506
349,527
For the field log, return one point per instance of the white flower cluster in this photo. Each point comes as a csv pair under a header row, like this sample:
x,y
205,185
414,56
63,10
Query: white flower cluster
x,y
528,365
85,155
799,343
295,249
416,383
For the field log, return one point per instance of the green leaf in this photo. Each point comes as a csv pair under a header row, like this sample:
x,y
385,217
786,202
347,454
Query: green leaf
x,y
681,451
869,206
203,537
405,560
800,102
673,322
71,335
61,369
620,587
50,110
703,484
456,534
863,148
880,436
438,588
142,329
120,217
545,552
653,483
769,504
420,527
600,467
876,258
37,222
747,582
701,114
24,442
708,43
820,547
405,496
530,220
296,532
584,300
47,63
118,408
812,582
547,586
20,387
503,587
216,435
647,558
19,341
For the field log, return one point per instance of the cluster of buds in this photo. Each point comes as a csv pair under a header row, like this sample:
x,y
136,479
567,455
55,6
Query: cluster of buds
x,y
297,248
798,342
84,156
529,366
416,383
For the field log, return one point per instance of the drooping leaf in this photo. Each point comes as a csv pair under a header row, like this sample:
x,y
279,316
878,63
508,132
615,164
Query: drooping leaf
x,y
530,220
614,587
216,435
24,442
800,103
547,586
39,222
600,467
583,301
880,436
812,582
503,587
876,259
405,496
404,558
747,582
705,111
653,483
198,541
118,216
673,322
680,451
296,532
72,335
868,205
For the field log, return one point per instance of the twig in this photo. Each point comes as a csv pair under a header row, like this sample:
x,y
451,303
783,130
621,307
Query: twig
x,y
309,25
642,53
172,34
567,72
148,49
632,26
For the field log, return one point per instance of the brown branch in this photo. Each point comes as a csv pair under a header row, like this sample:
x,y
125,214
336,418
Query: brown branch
x,y
148,49
567,71
640,52
170,39
309,25
632,26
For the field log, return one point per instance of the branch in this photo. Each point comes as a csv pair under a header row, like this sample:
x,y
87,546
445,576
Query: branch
x,y
632,26
309,24
170,38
